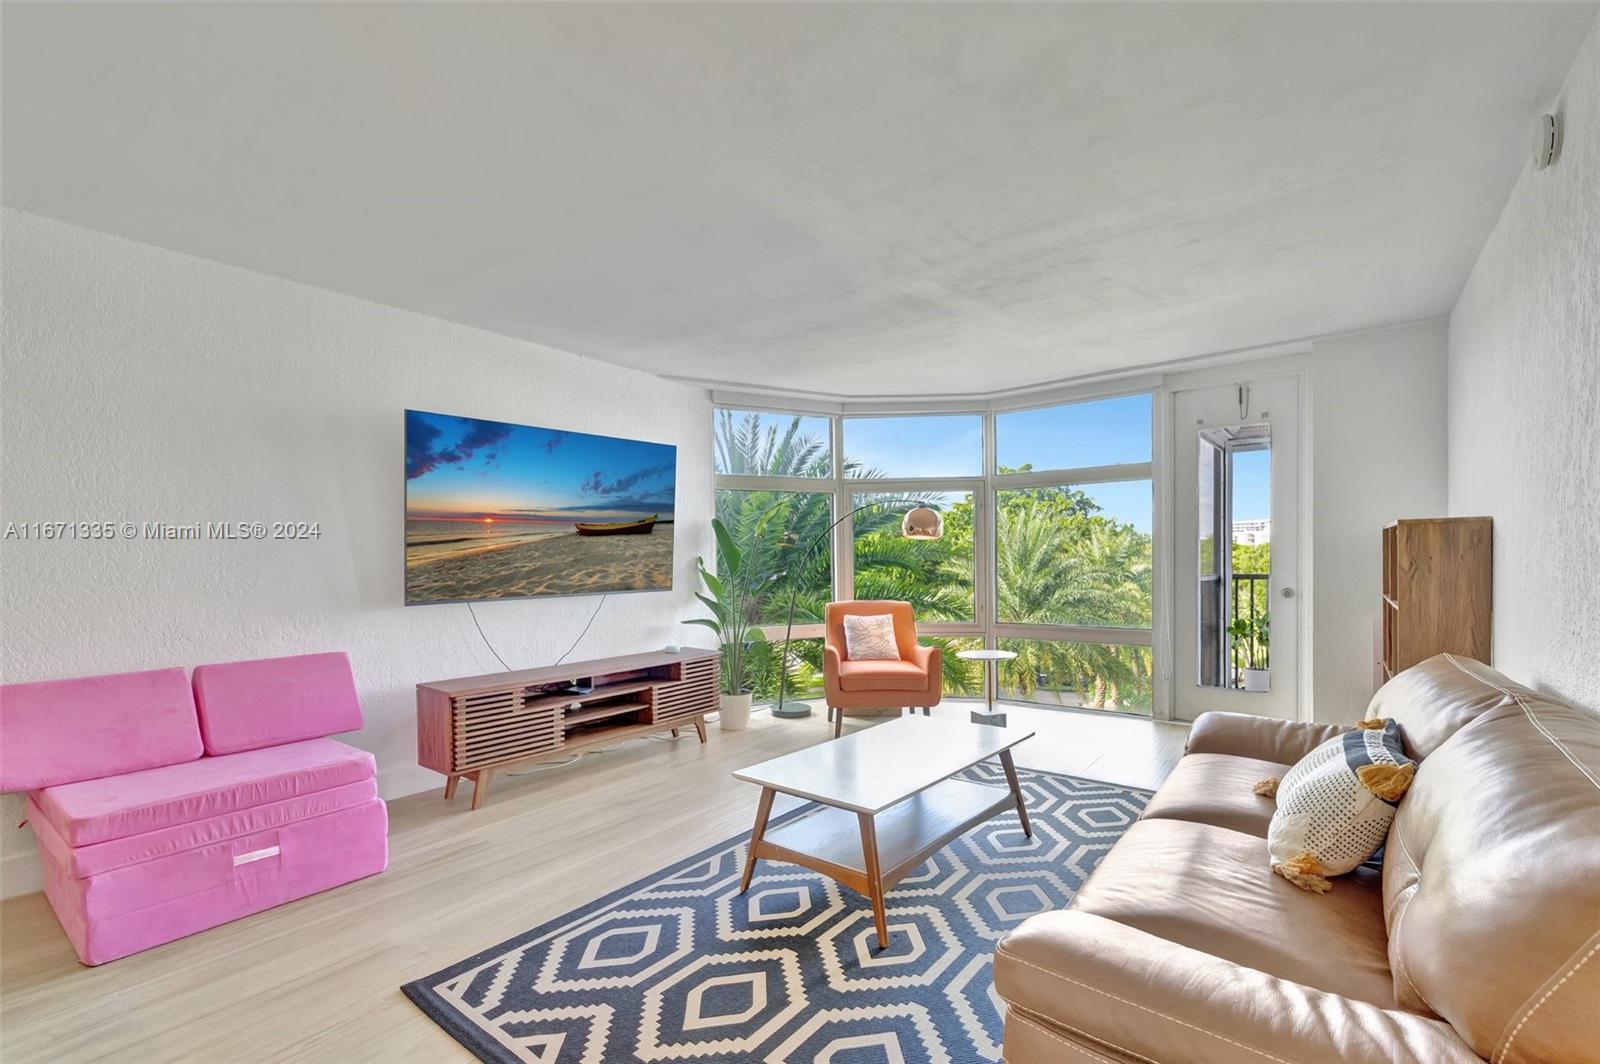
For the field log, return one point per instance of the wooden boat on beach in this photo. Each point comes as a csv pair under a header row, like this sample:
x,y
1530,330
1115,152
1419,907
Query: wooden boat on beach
x,y
619,528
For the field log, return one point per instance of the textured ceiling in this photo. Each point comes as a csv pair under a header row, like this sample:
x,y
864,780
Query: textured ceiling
x,y
857,200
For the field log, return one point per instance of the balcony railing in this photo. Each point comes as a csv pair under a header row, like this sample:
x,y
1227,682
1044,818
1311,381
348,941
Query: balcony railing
x,y
1250,591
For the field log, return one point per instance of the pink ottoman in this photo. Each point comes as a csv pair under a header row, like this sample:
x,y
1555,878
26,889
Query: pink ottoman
x,y
145,840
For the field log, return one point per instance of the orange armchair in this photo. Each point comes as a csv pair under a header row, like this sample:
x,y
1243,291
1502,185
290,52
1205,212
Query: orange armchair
x,y
910,683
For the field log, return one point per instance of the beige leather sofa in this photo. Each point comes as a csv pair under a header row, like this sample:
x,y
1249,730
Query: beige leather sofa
x,y
1480,939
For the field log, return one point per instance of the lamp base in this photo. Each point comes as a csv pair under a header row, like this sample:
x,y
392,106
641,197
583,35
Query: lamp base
x,y
791,710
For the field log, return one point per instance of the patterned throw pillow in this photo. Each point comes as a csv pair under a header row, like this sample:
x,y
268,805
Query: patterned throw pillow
x,y
870,637
1335,806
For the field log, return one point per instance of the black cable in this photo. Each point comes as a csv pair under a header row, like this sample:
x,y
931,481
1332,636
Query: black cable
x,y
485,639
586,628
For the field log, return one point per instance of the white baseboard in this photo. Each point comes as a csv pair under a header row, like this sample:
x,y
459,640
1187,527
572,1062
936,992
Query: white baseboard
x,y
20,873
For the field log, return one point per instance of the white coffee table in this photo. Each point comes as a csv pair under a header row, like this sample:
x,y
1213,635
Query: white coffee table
x,y
989,715
892,801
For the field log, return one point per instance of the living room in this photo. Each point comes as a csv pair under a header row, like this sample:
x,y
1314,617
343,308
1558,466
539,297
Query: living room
x,y
961,532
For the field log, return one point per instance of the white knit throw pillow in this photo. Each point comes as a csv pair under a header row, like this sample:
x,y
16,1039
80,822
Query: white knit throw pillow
x,y
870,637
1335,806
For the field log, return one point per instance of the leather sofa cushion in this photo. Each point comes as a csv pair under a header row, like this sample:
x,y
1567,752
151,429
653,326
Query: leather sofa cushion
x,y
881,676
1492,873
1434,699
1088,988
1209,888
1216,789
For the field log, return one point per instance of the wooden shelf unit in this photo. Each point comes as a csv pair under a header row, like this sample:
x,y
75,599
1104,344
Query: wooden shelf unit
x,y
472,726
1438,584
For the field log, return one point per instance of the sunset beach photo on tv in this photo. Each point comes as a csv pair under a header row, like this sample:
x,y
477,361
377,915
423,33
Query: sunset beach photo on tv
x,y
496,510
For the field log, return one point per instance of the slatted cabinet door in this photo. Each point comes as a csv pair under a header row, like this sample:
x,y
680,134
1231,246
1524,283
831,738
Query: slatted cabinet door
x,y
492,727
694,695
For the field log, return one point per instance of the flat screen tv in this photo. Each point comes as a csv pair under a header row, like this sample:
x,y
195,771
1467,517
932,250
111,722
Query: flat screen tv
x,y
497,511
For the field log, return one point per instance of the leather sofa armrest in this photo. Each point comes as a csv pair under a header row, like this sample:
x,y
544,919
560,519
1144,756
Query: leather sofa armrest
x,y
1246,735
1092,979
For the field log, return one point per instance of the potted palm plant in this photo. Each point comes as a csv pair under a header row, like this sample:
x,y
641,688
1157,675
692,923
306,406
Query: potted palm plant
x,y
1251,638
727,594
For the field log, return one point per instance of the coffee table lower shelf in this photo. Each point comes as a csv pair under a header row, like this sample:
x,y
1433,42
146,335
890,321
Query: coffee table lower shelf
x,y
870,854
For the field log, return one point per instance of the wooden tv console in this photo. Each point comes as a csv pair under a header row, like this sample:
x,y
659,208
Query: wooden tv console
x,y
476,725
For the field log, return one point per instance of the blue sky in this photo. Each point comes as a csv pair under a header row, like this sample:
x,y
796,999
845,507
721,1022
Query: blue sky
x,y
470,468
1102,432
1252,487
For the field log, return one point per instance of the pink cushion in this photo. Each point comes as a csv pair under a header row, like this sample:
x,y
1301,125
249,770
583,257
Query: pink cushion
x,y
245,705
881,676
137,906
101,857
99,810
61,731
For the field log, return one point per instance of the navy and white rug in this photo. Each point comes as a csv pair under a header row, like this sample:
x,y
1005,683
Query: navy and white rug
x,y
681,967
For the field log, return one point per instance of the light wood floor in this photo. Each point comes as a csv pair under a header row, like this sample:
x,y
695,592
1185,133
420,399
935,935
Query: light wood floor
x,y
318,980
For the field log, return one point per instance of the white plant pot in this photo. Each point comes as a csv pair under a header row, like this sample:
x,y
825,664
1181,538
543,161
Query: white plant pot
x,y
735,712
1254,680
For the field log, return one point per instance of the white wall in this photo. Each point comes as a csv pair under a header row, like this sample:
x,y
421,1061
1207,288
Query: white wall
x,y
1524,406
140,384
1378,453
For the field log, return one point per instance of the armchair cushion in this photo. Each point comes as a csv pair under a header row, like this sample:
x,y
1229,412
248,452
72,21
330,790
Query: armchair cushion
x,y
882,676
1139,996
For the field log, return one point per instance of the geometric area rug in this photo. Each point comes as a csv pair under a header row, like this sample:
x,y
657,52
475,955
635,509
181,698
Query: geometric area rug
x,y
680,966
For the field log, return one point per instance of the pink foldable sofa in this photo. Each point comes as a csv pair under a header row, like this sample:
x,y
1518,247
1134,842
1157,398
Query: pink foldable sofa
x,y
163,807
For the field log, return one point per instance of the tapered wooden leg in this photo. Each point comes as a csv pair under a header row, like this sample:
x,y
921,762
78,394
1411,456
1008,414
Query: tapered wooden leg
x,y
450,786
1016,791
869,848
830,714
927,712
838,723
674,733
763,810
700,728
480,786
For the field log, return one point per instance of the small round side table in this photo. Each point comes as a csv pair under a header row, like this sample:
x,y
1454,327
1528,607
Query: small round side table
x,y
987,715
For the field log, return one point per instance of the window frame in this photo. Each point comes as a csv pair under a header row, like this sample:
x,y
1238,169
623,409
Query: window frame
x,y
985,490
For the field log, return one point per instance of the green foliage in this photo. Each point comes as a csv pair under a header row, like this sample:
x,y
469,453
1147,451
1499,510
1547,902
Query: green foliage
x,y
1250,638
1252,557
730,586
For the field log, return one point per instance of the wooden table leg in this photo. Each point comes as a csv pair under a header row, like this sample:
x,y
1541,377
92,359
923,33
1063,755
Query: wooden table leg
x,y
450,783
763,810
1016,791
480,786
869,848
700,728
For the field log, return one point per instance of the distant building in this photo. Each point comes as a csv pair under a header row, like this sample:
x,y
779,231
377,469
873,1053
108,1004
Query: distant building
x,y
1252,532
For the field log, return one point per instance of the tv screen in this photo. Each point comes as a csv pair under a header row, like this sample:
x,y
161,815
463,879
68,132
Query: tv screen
x,y
498,511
